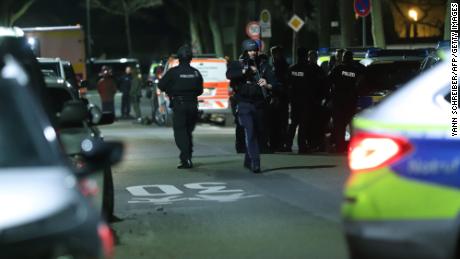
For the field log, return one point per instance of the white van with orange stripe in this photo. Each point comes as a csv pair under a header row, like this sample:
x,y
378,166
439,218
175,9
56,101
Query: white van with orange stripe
x,y
215,98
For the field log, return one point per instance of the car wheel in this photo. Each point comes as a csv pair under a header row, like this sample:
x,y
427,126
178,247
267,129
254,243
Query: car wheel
x,y
108,193
229,120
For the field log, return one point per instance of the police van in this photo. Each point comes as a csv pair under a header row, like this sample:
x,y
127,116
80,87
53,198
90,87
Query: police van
x,y
214,102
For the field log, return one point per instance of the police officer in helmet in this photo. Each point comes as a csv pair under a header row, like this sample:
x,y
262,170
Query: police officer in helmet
x,y
251,79
183,84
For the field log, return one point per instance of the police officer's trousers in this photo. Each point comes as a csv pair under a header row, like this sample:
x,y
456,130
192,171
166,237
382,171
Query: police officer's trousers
x,y
251,118
184,121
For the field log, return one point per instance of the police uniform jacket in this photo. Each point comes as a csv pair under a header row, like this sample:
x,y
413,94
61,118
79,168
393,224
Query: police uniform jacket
x,y
183,82
245,85
344,78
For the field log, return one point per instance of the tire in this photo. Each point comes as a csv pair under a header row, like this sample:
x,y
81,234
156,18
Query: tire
x,y
108,202
229,120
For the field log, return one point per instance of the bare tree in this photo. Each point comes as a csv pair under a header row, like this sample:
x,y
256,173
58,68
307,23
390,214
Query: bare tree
x,y
346,22
215,29
189,7
125,8
12,10
377,24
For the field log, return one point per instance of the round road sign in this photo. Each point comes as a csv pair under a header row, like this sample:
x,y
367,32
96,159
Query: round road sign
x,y
362,7
253,30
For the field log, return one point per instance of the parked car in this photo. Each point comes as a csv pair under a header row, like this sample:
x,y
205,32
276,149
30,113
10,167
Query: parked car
x,y
402,197
44,213
435,56
71,137
62,69
385,71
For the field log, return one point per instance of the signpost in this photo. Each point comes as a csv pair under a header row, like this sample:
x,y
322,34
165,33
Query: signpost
x,y
296,23
363,8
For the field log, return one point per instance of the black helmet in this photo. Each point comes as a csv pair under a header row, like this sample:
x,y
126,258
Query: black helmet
x,y
185,53
249,45
348,56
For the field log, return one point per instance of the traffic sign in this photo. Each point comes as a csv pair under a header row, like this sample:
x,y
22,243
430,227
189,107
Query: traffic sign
x,y
265,16
253,30
362,7
265,24
296,23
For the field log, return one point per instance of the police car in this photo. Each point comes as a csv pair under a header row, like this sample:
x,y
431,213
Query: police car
x,y
386,70
402,198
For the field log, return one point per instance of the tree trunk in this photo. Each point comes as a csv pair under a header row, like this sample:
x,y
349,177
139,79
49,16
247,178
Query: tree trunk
x,y
236,27
346,22
128,29
324,23
204,27
378,32
194,31
215,30
447,21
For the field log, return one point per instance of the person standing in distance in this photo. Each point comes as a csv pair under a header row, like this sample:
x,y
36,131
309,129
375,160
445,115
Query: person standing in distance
x,y
107,88
183,84
251,79
125,88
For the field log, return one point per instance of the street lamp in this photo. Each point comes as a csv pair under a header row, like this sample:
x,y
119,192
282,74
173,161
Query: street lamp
x,y
413,15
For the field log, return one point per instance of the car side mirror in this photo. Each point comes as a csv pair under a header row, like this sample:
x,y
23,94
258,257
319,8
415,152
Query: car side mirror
x,y
95,114
98,153
84,84
72,114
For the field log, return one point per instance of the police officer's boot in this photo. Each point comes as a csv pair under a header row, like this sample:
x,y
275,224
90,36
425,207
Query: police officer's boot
x,y
186,164
247,161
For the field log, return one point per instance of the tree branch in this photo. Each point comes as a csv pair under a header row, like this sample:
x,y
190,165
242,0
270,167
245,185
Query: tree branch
x,y
21,12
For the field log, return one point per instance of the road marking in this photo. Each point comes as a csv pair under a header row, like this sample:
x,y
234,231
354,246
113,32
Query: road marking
x,y
168,194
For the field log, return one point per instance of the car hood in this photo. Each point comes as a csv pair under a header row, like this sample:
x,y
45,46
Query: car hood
x,y
31,194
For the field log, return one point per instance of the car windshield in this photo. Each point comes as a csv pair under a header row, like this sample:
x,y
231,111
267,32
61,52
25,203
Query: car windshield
x,y
388,75
51,66
21,144
211,71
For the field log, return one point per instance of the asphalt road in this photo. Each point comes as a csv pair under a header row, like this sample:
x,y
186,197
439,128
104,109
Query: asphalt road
x,y
220,209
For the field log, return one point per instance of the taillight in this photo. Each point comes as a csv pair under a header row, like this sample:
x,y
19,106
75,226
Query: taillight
x,y
88,187
373,151
106,237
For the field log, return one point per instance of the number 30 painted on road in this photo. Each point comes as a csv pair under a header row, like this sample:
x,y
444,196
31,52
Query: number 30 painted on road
x,y
166,189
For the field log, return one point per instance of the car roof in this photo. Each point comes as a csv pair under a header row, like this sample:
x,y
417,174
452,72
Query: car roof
x,y
52,60
389,59
118,60
377,52
418,106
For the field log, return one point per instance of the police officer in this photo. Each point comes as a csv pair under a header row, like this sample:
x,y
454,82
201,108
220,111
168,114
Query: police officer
x,y
125,88
344,78
279,106
318,91
251,79
183,84
298,99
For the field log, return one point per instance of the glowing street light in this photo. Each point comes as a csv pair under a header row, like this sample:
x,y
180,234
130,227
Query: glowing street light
x,y
413,14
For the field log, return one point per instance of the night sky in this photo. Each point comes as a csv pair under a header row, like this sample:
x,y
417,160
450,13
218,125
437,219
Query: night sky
x,y
155,32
